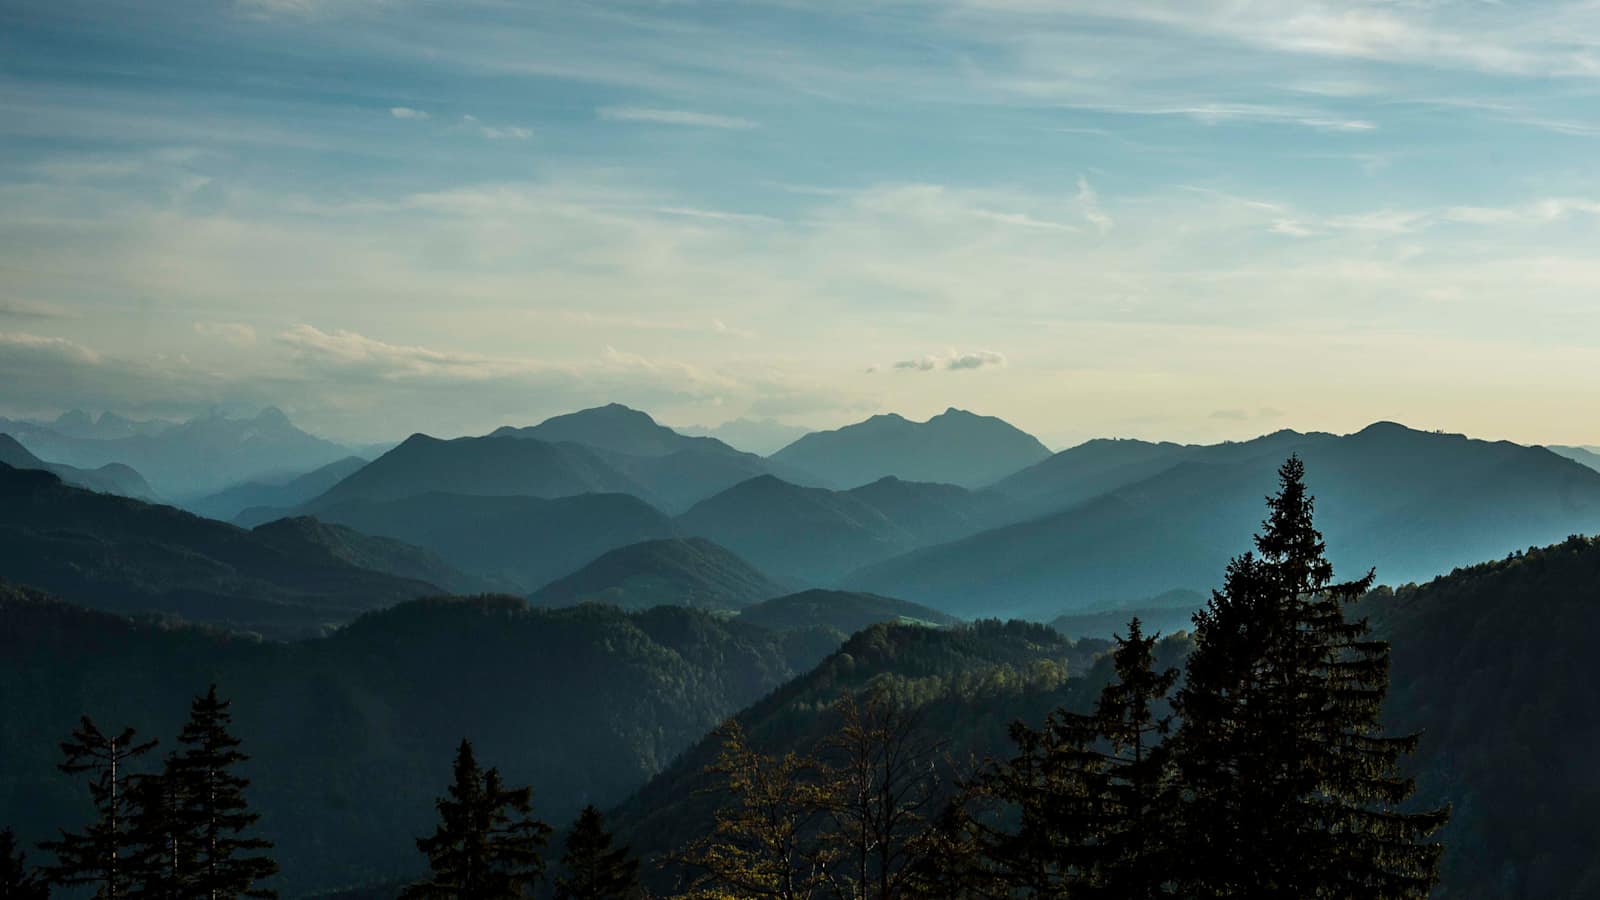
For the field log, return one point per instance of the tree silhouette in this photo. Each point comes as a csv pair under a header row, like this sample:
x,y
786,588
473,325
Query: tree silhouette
x,y
164,834
593,869
206,795
17,881
487,845
98,855
1290,787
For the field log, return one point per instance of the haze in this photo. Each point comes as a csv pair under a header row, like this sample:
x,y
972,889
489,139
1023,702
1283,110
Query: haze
x,y
1186,222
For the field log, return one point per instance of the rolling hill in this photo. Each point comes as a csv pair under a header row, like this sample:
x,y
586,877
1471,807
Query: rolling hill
x,y
304,537
111,478
842,611
691,572
1414,504
521,543
124,555
954,447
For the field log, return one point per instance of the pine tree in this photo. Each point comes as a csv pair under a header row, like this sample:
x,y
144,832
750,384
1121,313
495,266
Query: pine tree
x,y
1057,786
99,855
165,835
1092,793
1291,788
17,881
211,811
487,845
1132,857
593,869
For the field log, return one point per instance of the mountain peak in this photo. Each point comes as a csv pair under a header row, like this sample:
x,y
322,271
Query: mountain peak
x,y
955,447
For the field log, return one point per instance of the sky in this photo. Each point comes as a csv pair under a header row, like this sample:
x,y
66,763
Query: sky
x,y
1194,220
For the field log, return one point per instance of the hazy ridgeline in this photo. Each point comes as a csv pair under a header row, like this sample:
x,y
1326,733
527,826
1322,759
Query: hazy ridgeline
x,y
673,584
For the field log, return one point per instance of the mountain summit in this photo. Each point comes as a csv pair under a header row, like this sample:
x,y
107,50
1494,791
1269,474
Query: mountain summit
x,y
954,447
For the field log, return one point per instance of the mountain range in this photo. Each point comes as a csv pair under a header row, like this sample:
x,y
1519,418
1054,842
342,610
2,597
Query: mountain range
x,y
111,478
124,555
760,436
278,494
1414,504
188,459
954,447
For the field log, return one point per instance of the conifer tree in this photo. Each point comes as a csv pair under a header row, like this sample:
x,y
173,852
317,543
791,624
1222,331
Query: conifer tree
x,y
99,855
17,881
487,845
165,835
593,869
1132,858
1291,788
210,811
1092,793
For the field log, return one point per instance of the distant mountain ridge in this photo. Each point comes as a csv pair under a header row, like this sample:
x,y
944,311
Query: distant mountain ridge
x,y
197,457
955,447
278,493
111,478
480,466
128,556
1589,456
814,535
760,436
675,471
1413,503
519,543
692,572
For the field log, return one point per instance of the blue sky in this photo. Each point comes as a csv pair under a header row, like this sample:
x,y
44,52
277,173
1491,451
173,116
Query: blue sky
x,y
1191,221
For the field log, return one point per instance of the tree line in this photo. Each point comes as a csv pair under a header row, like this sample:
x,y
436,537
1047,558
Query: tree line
x,y
1259,771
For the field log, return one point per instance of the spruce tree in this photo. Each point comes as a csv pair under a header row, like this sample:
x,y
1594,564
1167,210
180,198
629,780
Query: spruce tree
x,y
487,845
1291,788
1057,787
1091,793
99,855
1132,855
211,811
17,881
165,835
593,869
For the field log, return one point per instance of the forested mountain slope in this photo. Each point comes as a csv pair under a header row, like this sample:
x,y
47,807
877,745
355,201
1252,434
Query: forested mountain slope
x,y
352,735
125,555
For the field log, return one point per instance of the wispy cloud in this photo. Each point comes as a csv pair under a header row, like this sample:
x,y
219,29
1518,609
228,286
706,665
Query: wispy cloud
x,y
1089,203
406,112
684,117
496,132
951,361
